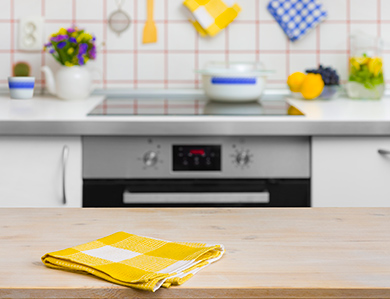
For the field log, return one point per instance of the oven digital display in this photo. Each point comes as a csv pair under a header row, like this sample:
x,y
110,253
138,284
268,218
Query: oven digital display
x,y
196,157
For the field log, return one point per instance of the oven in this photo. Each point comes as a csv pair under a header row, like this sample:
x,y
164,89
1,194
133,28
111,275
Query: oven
x,y
129,171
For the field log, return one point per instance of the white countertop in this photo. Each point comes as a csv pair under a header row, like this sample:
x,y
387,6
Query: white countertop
x,y
344,109
46,115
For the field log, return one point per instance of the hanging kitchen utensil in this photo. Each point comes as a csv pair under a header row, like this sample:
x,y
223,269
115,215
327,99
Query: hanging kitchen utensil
x,y
150,30
119,21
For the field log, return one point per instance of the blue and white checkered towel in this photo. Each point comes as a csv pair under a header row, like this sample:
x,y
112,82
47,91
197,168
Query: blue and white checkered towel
x,y
297,17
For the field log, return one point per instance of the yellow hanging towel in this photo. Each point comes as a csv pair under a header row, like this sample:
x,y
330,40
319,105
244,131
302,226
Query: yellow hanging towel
x,y
211,16
136,261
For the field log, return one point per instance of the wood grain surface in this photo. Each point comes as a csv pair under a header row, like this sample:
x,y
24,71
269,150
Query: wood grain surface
x,y
271,253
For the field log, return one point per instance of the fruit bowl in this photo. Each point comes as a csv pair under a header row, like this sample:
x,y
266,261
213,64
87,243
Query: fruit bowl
x,y
329,92
321,83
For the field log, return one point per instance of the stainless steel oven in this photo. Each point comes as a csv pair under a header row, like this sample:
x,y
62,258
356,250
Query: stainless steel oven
x,y
196,171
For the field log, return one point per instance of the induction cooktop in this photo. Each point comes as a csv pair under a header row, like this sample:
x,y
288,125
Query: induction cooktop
x,y
270,105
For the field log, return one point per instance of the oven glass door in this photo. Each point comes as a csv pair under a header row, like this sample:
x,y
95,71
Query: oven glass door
x,y
197,193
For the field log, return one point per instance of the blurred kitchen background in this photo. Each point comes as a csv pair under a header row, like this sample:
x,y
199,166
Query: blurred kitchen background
x,y
254,36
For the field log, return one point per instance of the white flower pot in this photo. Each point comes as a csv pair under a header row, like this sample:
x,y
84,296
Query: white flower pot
x,y
69,83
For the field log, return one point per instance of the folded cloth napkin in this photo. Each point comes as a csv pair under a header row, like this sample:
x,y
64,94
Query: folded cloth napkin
x,y
297,17
211,16
136,261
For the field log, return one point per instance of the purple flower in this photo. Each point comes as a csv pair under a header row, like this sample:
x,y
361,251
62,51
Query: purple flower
x,y
83,48
92,52
61,45
81,59
59,38
94,38
70,30
51,51
48,45
72,40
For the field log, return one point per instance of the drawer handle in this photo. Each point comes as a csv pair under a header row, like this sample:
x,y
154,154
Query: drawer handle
x,y
65,154
196,198
383,152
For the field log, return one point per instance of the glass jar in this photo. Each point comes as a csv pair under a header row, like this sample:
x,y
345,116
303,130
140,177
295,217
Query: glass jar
x,y
366,80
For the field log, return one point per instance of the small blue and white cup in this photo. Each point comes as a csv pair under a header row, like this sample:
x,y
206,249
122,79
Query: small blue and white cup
x,y
21,87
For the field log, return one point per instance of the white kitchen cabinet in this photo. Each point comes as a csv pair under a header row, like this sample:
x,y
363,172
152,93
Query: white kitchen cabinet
x,y
32,171
349,172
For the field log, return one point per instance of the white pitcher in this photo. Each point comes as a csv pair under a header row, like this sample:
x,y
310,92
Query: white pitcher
x,y
69,83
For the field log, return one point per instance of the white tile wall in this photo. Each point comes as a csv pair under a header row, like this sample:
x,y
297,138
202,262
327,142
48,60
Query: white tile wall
x,y
362,10
271,39
181,36
301,62
181,67
333,36
61,10
125,62
337,9
5,37
242,37
23,8
88,9
120,67
150,66
384,9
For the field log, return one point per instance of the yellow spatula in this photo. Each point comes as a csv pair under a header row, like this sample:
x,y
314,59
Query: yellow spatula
x,y
150,30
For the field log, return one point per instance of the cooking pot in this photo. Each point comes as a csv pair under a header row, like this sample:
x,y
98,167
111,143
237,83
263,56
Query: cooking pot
x,y
234,81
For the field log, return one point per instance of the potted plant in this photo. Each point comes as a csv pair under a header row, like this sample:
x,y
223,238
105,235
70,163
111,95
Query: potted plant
x,y
72,48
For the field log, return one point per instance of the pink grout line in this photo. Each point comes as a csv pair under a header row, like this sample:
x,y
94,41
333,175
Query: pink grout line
x,y
166,58
104,72
135,57
43,56
379,29
166,107
227,44
318,46
292,51
104,107
257,31
141,21
12,14
135,107
196,107
73,12
287,56
196,60
348,31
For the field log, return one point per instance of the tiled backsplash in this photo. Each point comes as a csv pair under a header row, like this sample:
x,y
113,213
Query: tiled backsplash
x,y
127,63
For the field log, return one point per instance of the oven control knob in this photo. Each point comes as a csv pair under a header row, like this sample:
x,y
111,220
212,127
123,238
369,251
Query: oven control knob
x,y
150,158
242,158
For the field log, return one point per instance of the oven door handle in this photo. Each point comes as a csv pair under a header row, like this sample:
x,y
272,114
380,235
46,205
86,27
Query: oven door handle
x,y
196,198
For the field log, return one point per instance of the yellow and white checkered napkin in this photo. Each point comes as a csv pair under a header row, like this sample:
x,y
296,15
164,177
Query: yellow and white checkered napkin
x,y
211,16
136,261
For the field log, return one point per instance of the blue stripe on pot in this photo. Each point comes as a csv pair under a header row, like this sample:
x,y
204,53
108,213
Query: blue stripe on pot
x,y
224,80
27,85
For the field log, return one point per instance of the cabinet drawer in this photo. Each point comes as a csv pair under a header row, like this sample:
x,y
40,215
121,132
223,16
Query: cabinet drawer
x,y
350,172
36,172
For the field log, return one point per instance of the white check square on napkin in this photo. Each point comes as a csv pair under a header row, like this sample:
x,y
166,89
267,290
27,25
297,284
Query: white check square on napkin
x,y
297,17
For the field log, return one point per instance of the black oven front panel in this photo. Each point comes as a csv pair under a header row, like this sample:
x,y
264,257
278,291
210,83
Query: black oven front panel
x,y
196,157
197,193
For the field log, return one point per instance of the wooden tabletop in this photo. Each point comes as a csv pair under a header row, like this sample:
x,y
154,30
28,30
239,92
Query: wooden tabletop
x,y
271,253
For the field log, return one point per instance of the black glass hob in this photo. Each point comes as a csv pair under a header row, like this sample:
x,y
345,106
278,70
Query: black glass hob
x,y
269,105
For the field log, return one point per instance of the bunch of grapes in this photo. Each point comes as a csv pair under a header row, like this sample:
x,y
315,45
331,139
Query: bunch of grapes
x,y
328,74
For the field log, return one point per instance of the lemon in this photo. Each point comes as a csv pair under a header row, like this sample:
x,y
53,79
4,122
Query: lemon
x,y
375,65
354,63
361,60
295,80
293,111
312,86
